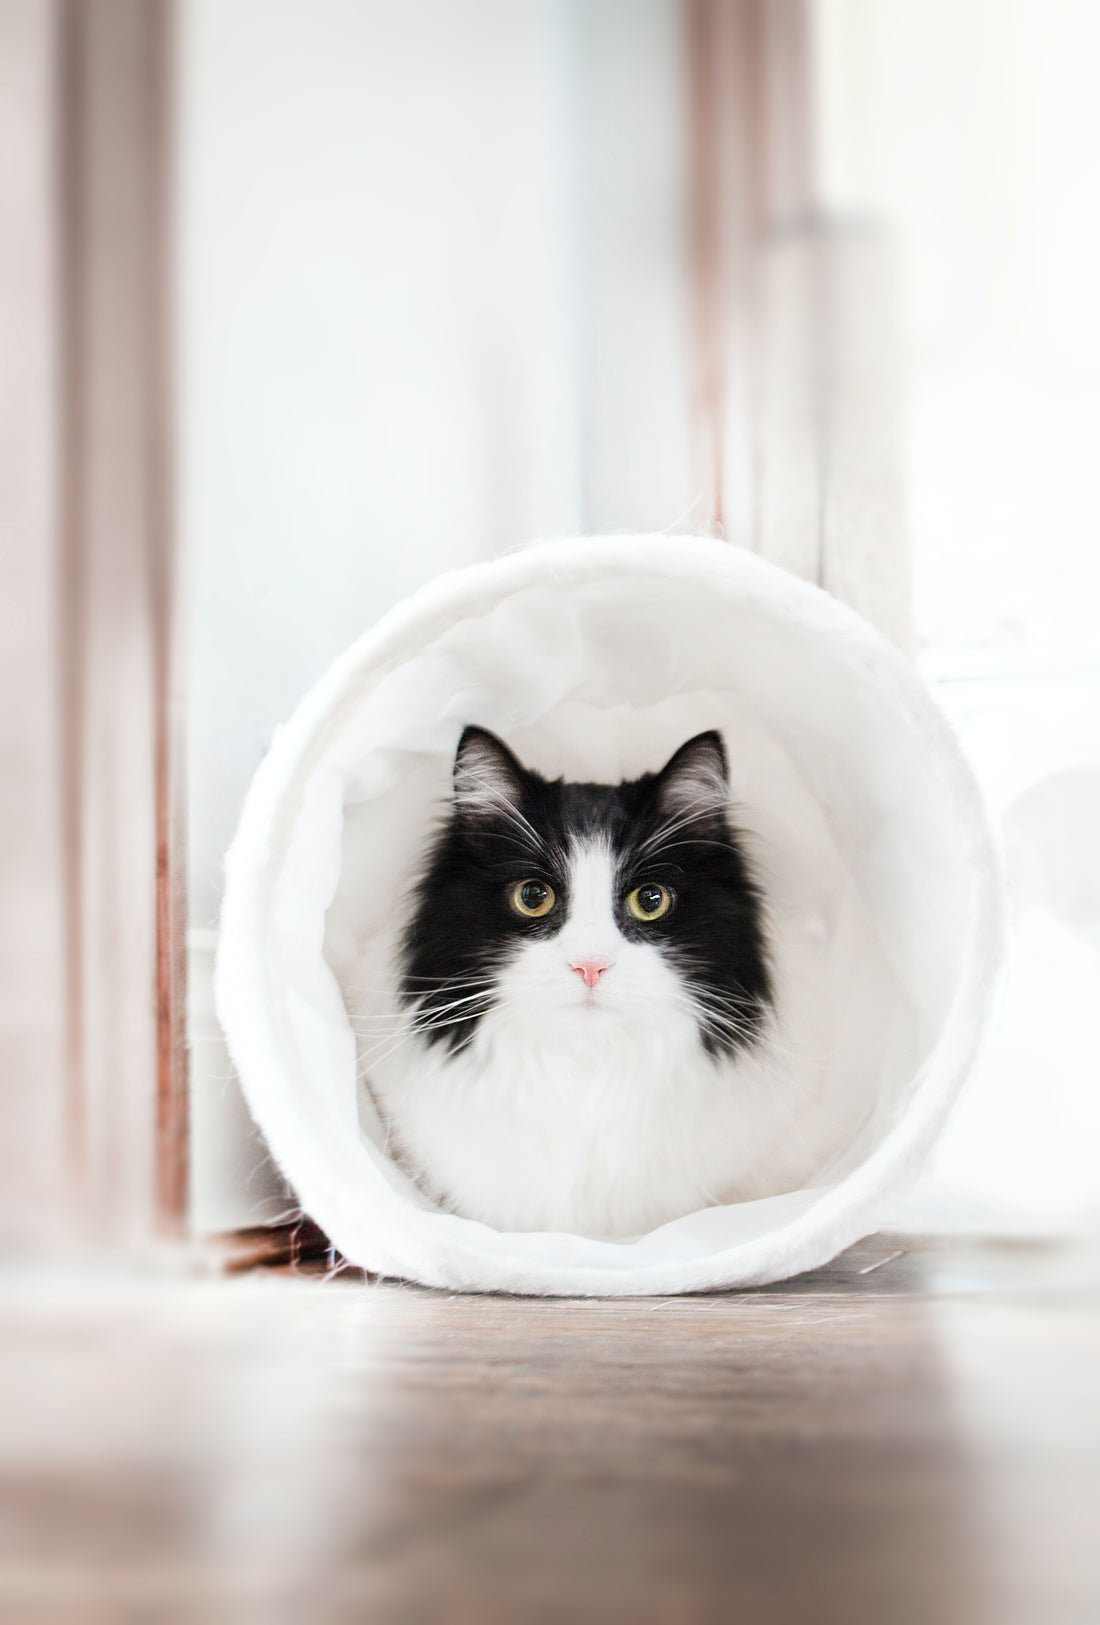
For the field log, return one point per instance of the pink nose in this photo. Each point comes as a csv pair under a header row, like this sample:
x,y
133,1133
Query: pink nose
x,y
590,970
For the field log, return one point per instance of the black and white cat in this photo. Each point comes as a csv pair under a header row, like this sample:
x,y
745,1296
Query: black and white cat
x,y
584,997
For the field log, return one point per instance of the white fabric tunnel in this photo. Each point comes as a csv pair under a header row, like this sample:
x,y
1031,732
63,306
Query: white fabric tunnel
x,y
596,658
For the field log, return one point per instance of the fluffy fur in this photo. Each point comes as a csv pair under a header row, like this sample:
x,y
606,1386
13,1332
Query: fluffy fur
x,y
582,1070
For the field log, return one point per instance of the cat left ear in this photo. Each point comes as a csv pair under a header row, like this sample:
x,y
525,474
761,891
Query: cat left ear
x,y
696,778
487,776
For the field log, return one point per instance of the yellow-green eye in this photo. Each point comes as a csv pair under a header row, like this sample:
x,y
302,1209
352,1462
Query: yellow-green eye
x,y
532,898
649,902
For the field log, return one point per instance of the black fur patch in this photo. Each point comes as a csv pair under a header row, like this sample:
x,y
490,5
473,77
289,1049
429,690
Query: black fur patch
x,y
508,824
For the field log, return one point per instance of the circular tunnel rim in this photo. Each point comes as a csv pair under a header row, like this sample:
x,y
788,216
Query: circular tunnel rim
x,y
444,1250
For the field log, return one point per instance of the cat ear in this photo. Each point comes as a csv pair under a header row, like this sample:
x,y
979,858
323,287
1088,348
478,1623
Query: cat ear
x,y
487,776
696,778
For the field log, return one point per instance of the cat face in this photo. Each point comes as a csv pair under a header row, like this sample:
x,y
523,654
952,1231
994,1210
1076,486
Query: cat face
x,y
573,907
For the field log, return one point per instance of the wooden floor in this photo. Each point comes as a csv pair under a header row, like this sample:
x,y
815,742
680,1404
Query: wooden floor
x,y
891,1440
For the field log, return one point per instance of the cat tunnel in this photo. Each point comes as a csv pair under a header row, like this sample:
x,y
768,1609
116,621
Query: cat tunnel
x,y
596,658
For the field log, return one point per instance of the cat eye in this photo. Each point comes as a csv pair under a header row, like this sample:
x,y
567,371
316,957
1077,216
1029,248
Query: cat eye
x,y
532,898
649,902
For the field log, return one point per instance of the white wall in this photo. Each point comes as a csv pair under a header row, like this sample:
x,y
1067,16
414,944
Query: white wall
x,y
433,302
975,127
431,306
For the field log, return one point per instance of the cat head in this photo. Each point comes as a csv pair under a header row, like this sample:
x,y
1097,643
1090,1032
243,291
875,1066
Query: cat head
x,y
573,904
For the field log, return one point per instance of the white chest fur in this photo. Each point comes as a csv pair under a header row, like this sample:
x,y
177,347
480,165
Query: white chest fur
x,y
588,1130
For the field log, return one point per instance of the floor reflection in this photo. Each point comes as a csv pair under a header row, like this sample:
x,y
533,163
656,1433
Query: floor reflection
x,y
910,1435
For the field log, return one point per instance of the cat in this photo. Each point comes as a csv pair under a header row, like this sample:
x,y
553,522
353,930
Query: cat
x,y
584,991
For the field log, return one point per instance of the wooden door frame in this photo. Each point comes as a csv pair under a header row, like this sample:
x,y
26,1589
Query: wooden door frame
x,y
797,419
121,699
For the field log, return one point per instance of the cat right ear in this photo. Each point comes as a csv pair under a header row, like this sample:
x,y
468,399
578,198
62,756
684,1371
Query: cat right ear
x,y
695,780
487,777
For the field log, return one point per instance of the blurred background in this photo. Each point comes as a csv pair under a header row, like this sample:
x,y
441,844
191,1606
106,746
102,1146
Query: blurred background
x,y
821,278
301,305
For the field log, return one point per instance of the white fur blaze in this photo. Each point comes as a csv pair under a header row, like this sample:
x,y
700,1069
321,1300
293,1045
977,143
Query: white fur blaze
x,y
590,931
